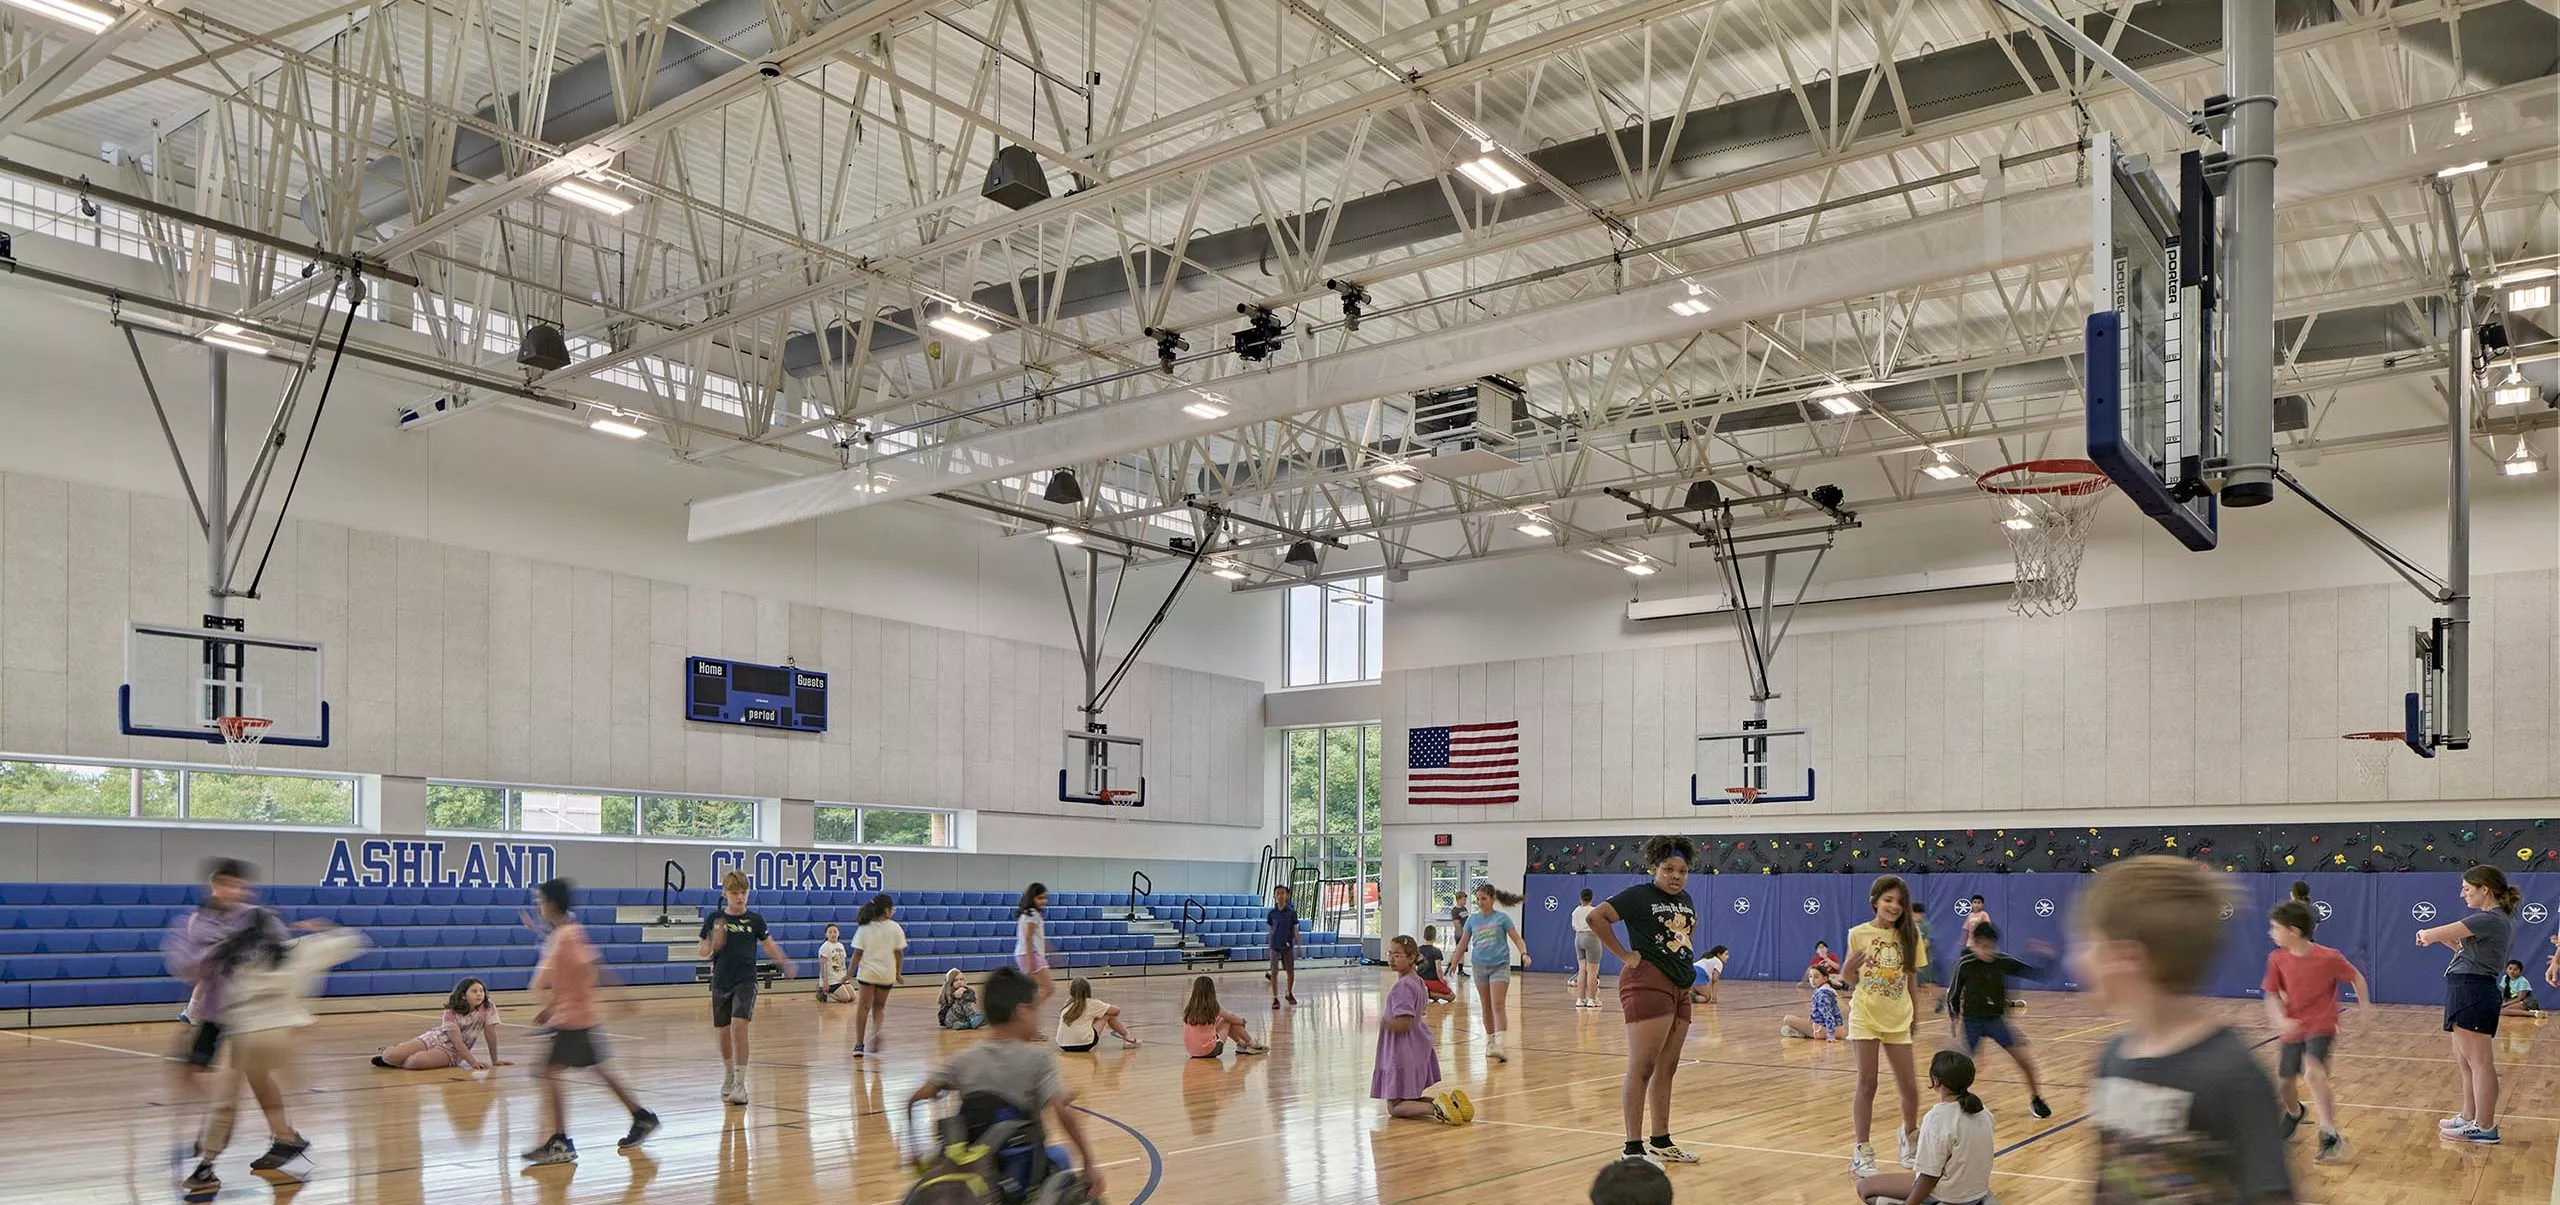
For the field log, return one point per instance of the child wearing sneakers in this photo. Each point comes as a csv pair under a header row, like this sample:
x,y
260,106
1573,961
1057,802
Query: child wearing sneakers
x,y
2302,1000
731,935
565,982
1407,1063
1014,1065
1206,1028
1979,1003
2183,1112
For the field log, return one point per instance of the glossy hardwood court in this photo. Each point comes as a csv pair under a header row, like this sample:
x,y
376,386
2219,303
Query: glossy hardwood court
x,y
88,1119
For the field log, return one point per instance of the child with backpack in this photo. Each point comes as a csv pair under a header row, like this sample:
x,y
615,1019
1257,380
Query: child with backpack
x,y
1011,1079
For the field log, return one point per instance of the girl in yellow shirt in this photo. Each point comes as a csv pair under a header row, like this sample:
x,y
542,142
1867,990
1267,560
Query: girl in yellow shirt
x,y
1883,955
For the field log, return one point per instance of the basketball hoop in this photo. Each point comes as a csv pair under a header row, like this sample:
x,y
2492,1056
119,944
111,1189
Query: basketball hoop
x,y
240,737
1113,798
2370,754
1745,794
2045,507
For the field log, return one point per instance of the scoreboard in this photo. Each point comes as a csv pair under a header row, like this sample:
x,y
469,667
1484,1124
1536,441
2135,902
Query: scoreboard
x,y
721,691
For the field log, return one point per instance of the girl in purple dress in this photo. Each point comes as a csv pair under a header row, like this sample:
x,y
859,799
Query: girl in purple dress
x,y
1407,1064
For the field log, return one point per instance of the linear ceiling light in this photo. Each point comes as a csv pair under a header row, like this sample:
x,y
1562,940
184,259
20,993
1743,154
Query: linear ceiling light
x,y
1641,566
2512,390
230,337
1395,475
1491,174
960,326
1840,404
593,196
615,426
2531,297
2521,463
1206,407
79,14
2463,169
1942,469
1065,535
1533,529
1227,570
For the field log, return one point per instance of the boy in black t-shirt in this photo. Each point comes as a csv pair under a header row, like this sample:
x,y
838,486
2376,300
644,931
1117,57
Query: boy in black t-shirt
x,y
730,938
1427,967
1978,1003
2184,1114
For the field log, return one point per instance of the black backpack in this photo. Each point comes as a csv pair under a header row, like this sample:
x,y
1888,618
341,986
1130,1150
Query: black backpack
x,y
987,1152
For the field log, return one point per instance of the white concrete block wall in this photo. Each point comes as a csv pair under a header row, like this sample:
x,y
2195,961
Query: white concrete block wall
x,y
2212,702
451,662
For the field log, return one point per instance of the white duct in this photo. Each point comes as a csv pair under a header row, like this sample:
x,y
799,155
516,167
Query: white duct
x,y
2318,164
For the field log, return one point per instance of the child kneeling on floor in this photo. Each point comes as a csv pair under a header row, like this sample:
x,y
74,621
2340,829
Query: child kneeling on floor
x,y
1407,1063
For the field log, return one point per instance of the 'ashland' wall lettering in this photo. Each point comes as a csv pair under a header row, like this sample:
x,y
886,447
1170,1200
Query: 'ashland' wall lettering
x,y
382,862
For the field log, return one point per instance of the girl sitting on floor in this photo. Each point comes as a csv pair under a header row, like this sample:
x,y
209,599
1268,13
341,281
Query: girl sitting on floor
x,y
958,1008
468,1018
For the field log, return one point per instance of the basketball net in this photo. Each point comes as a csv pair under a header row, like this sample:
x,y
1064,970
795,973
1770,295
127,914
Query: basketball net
x,y
2369,753
2045,508
240,737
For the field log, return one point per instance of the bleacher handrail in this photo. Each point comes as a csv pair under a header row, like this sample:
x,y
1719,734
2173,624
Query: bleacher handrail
x,y
1140,888
670,880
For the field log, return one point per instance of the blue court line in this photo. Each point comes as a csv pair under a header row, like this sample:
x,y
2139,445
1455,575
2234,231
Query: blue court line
x,y
1155,1158
2081,1118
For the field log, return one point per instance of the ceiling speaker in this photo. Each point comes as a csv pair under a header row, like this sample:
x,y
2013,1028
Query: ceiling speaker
x,y
544,348
1015,179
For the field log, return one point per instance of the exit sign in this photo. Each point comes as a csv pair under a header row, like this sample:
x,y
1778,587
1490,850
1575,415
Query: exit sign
x,y
1440,839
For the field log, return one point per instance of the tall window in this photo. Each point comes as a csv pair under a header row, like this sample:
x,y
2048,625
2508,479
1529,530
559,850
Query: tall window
x,y
483,807
1334,783
845,824
145,791
1334,631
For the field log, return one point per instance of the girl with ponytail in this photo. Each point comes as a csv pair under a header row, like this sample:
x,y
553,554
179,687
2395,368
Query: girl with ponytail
x,y
1487,937
1951,1164
1884,953
2479,943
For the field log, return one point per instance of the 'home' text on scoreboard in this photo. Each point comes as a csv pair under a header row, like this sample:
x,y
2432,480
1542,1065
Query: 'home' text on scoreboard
x,y
721,691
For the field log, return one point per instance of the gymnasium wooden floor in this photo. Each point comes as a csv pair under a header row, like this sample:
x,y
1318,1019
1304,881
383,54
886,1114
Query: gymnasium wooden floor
x,y
87,1121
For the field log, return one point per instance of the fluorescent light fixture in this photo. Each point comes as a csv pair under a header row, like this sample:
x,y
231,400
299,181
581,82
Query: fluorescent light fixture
x,y
1491,174
1065,535
2532,297
1533,529
1942,469
2018,523
1204,409
615,426
2514,390
2518,276
2462,121
1641,567
1227,570
2463,169
2523,463
1690,307
593,196
1840,404
958,326
230,337
79,14
1396,477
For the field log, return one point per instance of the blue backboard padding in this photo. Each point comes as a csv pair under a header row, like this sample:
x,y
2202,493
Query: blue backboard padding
x,y
2197,524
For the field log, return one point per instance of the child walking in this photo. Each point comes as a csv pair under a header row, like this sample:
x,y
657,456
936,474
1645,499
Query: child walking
x,y
1952,1162
1433,986
1031,941
1586,956
1488,940
731,935
1883,954
565,983
267,981
2302,1000
1979,1004
1823,1020
958,1006
1281,922
2479,944
881,950
1207,1028
468,1018
1407,1063
2183,1112
1081,1023
835,971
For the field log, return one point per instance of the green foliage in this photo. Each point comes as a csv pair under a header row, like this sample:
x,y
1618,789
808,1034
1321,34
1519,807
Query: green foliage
x,y
897,828
270,798
835,825
57,789
675,816
453,806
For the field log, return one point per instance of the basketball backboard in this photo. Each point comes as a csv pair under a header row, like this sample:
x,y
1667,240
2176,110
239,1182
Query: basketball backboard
x,y
1755,765
1101,768
2154,423
180,681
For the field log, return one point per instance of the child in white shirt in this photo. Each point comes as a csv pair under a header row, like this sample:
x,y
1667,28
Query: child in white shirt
x,y
835,977
1951,1162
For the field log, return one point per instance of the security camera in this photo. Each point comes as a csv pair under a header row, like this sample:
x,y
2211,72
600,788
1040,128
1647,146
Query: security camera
x,y
769,68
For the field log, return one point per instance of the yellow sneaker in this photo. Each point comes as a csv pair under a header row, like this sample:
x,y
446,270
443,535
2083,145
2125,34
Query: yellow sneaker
x,y
1460,1107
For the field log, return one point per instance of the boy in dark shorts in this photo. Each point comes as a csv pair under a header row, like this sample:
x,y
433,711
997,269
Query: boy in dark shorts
x,y
2183,1113
2302,1000
731,935
1282,920
1979,1003
566,982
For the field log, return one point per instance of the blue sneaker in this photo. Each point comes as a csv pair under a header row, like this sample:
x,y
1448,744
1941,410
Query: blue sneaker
x,y
2475,1135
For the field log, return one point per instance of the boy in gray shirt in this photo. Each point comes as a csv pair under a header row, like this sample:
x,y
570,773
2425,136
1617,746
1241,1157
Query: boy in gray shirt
x,y
1014,1065
2184,1114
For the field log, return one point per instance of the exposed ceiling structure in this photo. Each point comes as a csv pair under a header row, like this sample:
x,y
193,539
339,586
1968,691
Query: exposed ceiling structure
x,y
773,249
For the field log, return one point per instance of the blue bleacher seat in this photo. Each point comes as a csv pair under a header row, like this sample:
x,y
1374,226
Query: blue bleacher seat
x,y
21,895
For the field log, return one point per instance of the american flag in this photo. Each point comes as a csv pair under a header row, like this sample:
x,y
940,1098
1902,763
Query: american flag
x,y
1464,763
